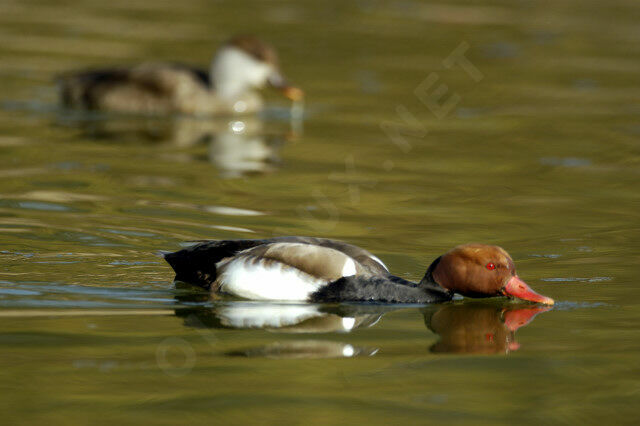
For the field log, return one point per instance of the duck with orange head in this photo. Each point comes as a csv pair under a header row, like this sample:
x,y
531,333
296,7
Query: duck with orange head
x,y
322,270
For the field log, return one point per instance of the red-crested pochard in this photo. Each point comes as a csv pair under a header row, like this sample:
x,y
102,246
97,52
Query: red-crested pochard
x,y
242,65
323,270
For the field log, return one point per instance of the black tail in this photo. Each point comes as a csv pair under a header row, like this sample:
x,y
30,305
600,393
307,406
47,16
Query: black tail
x,y
191,269
197,264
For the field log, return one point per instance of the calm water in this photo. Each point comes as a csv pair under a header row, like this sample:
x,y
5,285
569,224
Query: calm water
x,y
534,145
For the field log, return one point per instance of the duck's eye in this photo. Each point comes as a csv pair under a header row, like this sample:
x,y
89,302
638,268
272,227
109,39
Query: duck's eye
x,y
490,266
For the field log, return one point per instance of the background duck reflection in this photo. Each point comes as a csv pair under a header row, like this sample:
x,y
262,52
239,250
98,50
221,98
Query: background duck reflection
x,y
236,147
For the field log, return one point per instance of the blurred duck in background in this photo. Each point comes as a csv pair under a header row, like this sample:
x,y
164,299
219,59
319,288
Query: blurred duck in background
x,y
241,66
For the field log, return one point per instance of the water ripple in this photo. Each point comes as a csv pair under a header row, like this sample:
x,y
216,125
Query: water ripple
x,y
577,279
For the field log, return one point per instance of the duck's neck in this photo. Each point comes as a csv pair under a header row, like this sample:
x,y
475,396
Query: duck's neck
x,y
428,283
380,289
234,73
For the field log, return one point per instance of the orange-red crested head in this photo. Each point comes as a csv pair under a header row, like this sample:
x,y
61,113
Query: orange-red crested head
x,y
480,270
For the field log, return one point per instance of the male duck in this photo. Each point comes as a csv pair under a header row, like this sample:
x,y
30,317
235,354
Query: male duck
x,y
322,270
240,66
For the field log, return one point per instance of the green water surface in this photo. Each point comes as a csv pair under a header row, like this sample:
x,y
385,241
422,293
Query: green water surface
x,y
426,125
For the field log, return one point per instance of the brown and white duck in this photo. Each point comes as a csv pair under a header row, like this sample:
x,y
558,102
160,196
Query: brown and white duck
x,y
240,67
322,270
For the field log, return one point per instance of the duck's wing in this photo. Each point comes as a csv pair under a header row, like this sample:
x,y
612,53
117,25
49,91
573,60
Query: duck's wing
x,y
197,264
284,271
368,261
145,88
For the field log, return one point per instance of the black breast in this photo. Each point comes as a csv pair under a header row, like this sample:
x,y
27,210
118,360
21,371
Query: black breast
x,y
382,289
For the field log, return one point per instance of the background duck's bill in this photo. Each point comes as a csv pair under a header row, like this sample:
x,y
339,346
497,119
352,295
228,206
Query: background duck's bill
x,y
277,81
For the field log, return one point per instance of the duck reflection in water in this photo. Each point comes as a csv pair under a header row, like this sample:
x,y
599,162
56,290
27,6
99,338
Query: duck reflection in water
x,y
244,148
475,328
478,328
236,147
289,319
283,318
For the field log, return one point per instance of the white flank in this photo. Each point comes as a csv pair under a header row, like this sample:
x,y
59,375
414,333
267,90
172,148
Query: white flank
x,y
380,262
263,315
261,280
349,267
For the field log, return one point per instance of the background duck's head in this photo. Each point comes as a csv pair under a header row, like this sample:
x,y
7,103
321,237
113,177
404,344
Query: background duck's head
x,y
480,270
245,63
